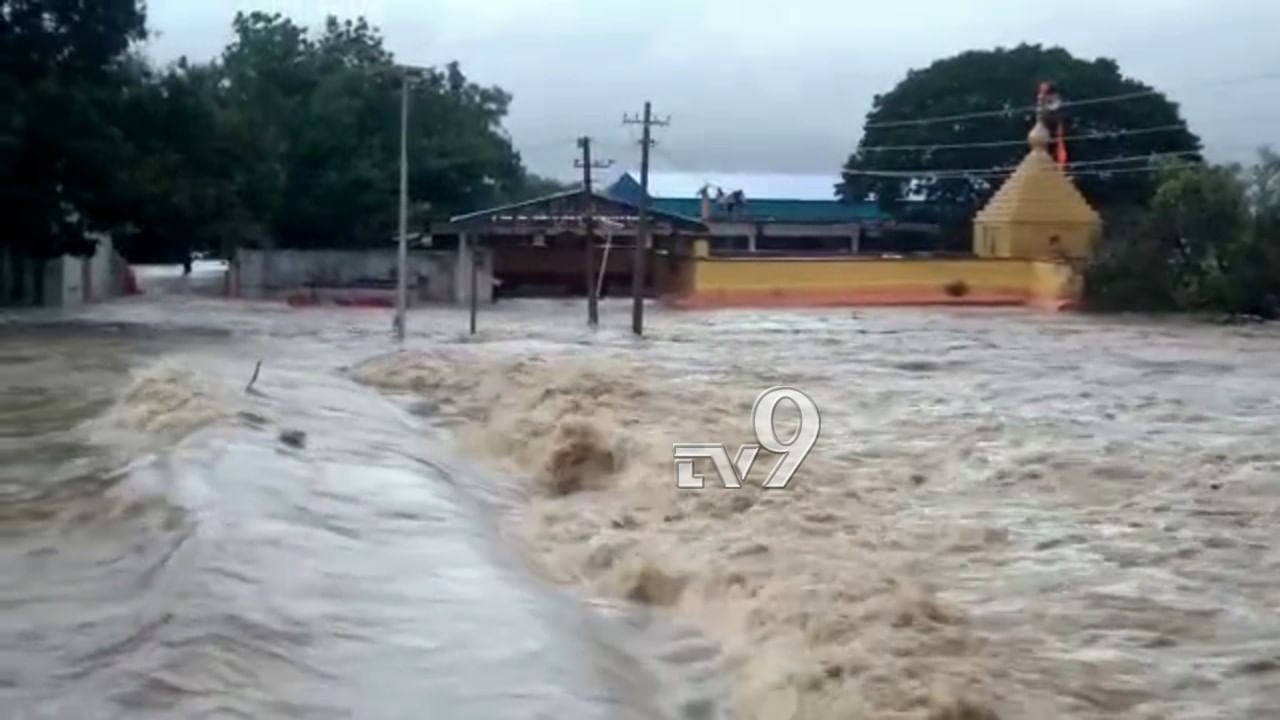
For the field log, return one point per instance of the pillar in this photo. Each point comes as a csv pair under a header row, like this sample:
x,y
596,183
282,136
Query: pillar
x,y
462,271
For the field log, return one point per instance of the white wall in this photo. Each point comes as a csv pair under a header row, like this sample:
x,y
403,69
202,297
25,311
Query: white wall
x,y
462,275
63,282
259,273
106,271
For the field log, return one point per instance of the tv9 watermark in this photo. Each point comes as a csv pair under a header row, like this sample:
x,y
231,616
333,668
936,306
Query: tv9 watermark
x,y
764,422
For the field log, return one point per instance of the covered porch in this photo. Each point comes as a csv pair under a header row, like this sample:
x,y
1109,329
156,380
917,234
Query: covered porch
x,y
573,243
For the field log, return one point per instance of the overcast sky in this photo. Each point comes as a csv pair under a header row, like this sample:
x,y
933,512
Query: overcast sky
x,y
776,86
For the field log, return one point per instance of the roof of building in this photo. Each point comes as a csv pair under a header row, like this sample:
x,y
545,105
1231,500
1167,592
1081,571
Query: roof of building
x,y
1038,191
559,206
756,208
762,186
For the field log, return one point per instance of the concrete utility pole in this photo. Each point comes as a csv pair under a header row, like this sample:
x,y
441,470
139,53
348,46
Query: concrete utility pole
x,y
642,231
402,280
589,243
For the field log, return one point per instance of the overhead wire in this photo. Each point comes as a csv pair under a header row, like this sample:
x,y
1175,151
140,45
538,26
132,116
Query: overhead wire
x,y
1009,111
1081,163
998,171
1105,135
988,174
1006,111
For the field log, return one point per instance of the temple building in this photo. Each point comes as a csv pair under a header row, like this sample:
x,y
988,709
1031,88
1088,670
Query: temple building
x,y
1037,213
1030,243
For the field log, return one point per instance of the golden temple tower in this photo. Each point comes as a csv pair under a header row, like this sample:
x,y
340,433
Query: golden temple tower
x,y
1038,213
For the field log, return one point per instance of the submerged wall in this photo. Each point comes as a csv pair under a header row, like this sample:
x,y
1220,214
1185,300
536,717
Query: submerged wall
x,y
433,275
853,281
65,281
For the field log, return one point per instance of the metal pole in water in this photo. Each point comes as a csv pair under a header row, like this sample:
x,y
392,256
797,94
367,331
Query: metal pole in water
x,y
475,266
403,253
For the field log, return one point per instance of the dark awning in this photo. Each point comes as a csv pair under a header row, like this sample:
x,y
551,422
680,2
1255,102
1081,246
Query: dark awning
x,y
565,212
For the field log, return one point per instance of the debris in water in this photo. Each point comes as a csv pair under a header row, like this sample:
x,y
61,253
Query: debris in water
x,y
293,438
1262,665
425,408
626,522
256,369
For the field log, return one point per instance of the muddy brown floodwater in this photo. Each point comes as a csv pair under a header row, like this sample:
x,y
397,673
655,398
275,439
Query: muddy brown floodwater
x,y
1007,515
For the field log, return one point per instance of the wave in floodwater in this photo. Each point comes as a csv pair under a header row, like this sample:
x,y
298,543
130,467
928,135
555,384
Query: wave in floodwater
x,y
1007,515
173,546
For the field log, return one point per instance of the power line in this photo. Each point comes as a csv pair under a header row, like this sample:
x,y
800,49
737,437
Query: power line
x,y
677,166
984,174
1011,168
547,144
1009,111
1129,158
1023,141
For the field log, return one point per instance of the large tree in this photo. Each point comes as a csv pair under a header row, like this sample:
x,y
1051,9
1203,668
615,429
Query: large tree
x,y
177,188
321,116
976,82
61,73
291,137
1210,240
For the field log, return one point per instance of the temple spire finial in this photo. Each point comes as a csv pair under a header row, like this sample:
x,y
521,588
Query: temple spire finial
x,y
1047,105
1039,136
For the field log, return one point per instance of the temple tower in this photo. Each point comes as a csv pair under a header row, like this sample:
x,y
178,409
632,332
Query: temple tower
x,y
1038,213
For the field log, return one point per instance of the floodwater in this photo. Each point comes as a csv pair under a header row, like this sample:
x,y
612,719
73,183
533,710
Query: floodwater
x,y
1008,514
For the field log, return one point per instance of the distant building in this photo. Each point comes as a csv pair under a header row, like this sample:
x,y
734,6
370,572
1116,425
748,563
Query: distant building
x,y
762,212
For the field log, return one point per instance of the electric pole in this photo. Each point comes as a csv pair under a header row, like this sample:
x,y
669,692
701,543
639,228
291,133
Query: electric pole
x,y
642,231
593,307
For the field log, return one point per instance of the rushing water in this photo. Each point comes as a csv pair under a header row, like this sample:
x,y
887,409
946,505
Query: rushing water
x,y
163,553
1097,499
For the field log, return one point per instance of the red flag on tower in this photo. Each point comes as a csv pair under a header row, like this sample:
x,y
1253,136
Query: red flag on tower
x,y
1048,104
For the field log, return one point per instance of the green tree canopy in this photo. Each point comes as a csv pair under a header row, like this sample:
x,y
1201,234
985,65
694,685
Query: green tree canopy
x,y
290,137
982,81
61,70
314,126
1209,240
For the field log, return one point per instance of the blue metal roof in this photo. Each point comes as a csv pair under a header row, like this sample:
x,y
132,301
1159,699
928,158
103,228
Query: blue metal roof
x,y
778,210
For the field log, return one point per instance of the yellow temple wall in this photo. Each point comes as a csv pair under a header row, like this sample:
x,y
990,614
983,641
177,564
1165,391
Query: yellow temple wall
x,y
1034,240
796,281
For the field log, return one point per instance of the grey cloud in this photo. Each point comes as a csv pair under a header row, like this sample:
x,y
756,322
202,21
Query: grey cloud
x,y
774,86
